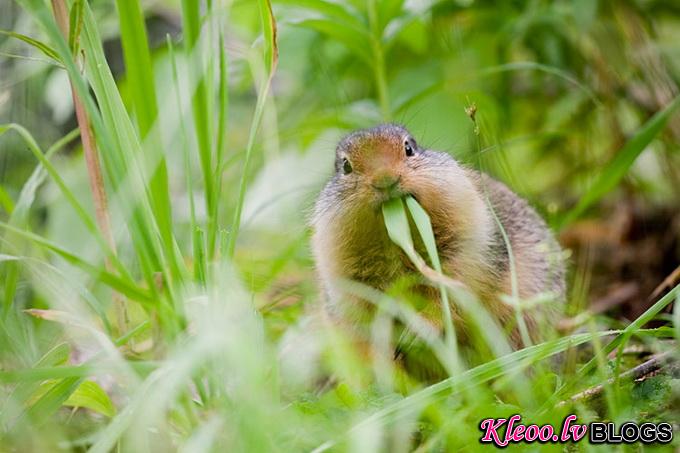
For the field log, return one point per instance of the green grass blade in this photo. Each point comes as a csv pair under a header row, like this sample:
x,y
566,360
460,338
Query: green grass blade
x,y
424,226
396,223
43,372
75,25
125,285
470,378
19,216
115,135
614,171
50,401
68,194
41,46
191,20
271,55
220,143
140,77
398,230
56,356
620,340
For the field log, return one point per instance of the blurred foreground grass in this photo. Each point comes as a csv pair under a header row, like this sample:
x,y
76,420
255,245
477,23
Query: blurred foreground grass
x,y
145,310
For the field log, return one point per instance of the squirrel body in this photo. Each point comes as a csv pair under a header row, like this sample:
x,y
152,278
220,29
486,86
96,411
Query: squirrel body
x,y
350,240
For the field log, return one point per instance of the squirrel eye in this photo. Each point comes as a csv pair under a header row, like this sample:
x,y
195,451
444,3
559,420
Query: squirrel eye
x,y
408,148
346,166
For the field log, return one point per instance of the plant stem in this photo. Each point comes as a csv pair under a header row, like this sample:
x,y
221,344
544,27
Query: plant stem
x,y
94,171
379,65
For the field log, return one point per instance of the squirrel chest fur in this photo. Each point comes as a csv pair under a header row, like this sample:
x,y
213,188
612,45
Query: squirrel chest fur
x,y
469,212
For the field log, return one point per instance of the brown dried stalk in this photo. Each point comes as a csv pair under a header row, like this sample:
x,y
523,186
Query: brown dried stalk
x,y
94,171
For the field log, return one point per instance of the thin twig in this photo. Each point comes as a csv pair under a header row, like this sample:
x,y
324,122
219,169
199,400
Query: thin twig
x,y
668,282
637,374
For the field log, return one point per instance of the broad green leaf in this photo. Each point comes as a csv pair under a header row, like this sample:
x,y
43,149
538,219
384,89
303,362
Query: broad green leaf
x,y
91,396
389,10
355,39
329,10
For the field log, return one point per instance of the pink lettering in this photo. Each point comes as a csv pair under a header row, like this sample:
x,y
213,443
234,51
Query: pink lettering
x,y
565,427
546,433
577,432
517,435
532,433
491,434
517,432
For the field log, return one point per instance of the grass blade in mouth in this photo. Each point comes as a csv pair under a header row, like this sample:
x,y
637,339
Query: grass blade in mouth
x,y
399,231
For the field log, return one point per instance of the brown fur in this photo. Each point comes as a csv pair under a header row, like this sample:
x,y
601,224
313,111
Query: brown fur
x,y
350,240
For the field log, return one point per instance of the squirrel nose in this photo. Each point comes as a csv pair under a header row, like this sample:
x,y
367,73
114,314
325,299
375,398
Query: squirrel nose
x,y
385,181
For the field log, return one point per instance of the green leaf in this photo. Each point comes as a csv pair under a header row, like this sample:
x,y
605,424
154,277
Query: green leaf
x,y
56,356
75,25
125,286
610,175
202,116
620,340
41,46
388,10
49,398
357,40
396,223
424,226
86,218
330,10
6,201
91,396
271,50
271,59
140,78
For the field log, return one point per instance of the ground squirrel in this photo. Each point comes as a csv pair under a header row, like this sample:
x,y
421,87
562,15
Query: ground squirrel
x,y
465,206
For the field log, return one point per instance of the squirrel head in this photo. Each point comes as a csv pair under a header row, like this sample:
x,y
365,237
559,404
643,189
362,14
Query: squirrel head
x,y
374,165
375,162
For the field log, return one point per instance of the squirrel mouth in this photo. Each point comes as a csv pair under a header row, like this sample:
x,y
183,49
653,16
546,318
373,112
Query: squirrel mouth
x,y
389,193
383,196
389,189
